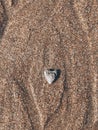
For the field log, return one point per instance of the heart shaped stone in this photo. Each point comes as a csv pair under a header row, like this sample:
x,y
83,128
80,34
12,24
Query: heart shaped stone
x,y
50,75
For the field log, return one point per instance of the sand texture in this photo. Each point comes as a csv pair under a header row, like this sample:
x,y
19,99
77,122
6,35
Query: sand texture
x,y
36,35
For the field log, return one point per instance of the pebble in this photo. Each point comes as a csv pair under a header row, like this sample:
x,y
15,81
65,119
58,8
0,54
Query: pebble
x,y
50,75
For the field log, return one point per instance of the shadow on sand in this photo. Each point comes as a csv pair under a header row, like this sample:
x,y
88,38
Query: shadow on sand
x,y
4,21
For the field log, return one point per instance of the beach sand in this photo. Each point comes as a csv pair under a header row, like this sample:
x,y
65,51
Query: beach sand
x,y
36,35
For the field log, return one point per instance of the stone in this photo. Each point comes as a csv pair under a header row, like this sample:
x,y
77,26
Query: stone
x,y
50,75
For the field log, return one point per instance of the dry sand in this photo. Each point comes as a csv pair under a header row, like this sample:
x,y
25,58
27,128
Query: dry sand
x,y
41,34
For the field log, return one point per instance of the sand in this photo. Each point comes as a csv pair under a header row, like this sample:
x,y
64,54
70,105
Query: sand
x,y
36,35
